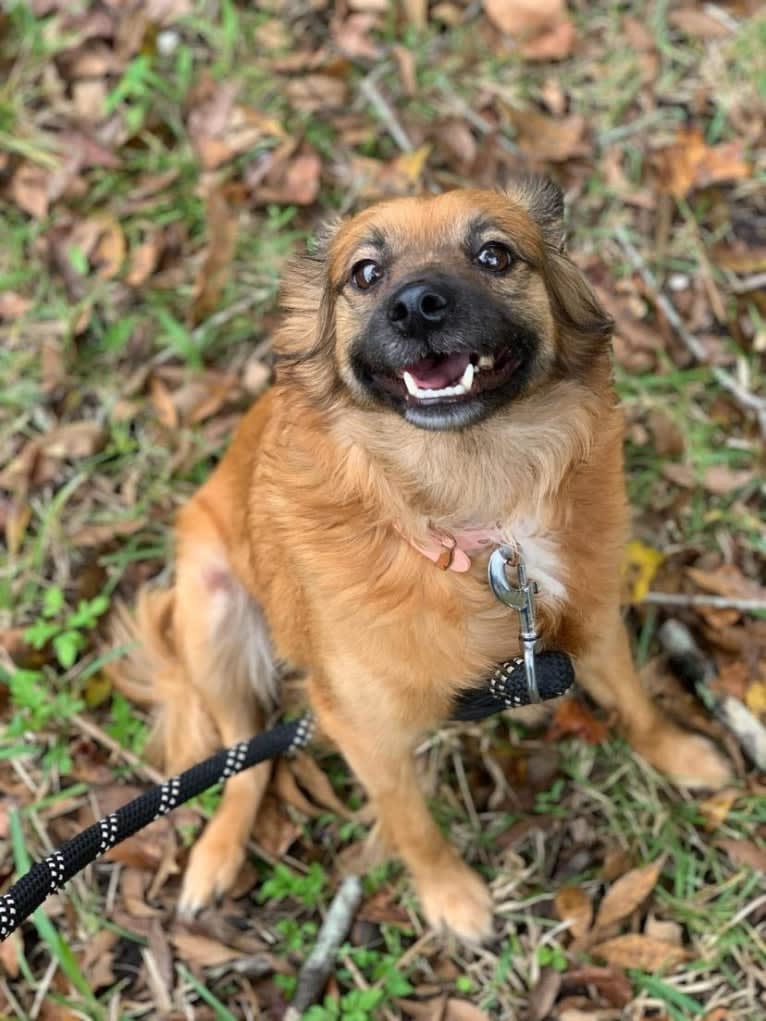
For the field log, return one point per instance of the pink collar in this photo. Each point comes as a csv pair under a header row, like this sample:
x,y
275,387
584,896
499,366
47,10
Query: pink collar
x,y
451,551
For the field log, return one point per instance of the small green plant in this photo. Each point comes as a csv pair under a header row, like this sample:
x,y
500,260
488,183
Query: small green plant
x,y
125,727
284,883
552,957
358,1005
66,632
35,706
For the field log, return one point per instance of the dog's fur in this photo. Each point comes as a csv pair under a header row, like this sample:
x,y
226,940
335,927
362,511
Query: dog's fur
x,y
293,549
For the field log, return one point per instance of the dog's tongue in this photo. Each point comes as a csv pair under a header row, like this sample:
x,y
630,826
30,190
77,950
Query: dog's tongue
x,y
440,371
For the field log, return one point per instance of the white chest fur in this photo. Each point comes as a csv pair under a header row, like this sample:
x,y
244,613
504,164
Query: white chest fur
x,y
541,555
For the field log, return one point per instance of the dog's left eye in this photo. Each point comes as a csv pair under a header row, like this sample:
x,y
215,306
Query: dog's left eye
x,y
365,274
494,257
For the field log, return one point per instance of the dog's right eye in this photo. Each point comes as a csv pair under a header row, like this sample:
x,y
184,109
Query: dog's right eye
x,y
365,274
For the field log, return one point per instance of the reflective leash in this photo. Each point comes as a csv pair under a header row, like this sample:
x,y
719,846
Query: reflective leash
x,y
537,677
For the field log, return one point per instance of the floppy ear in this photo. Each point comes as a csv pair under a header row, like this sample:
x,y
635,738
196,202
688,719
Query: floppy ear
x,y
544,201
583,325
303,345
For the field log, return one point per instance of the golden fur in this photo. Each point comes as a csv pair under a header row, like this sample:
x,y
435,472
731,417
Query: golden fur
x,y
290,550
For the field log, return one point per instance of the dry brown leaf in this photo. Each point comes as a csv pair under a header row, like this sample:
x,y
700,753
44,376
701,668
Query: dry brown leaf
x,y
314,92
29,190
144,260
726,580
274,830
664,930
109,252
221,224
715,809
286,787
719,1014
690,163
641,952
462,1010
424,1010
572,718
550,138
721,480
13,305
351,36
162,399
416,13
612,983
755,698
202,951
573,905
669,439
679,474
698,24
9,955
407,67
557,44
525,18
220,130
544,995
744,852
73,440
98,958
627,893
314,780
293,181
133,886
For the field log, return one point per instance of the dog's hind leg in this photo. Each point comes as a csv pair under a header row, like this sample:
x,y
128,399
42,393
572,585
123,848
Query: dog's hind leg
x,y
222,644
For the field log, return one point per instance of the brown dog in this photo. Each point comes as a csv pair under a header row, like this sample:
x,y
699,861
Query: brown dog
x,y
444,379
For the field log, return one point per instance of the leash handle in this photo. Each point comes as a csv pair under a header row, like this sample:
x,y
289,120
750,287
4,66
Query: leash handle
x,y
49,874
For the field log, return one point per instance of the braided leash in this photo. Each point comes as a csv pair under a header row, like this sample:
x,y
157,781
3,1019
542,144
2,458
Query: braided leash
x,y
506,689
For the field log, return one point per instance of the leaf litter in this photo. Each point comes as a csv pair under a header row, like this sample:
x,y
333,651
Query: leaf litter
x,y
159,162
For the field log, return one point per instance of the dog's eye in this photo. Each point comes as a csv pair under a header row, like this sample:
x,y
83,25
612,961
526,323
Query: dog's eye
x,y
494,257
365,274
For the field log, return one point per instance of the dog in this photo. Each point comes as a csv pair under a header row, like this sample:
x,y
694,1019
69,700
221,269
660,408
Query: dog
x,y
443,386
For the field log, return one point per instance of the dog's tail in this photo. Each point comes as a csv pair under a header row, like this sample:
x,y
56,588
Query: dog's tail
x,y
150,673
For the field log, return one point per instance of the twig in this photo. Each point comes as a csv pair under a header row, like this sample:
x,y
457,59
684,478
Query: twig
x,y
372,94
94,731
740,393
692,665
318,965
751,283
715,602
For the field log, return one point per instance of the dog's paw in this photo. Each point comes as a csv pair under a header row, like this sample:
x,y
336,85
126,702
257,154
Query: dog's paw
x,y
689,760
456,898
213,868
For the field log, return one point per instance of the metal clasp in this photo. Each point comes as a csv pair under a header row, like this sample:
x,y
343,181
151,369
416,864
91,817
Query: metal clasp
x,y
520,597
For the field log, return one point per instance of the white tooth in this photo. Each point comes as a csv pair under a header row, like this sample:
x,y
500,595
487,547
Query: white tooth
x,y
486,361
466,380
412,386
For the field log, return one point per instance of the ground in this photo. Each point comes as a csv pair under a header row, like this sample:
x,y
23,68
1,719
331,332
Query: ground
x,y
159,160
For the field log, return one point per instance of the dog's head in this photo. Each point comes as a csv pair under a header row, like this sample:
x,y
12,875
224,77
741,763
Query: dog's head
x,y
445,308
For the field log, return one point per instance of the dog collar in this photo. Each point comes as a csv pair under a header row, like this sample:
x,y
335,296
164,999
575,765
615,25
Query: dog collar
x,y
452,551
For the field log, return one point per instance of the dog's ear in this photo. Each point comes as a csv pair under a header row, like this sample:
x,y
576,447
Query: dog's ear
x,y
584,326
544,201
304,344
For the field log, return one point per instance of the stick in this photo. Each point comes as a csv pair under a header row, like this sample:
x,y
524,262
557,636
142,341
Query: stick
x,y
318,965
94,731
716,602
740,393
689,662
381,107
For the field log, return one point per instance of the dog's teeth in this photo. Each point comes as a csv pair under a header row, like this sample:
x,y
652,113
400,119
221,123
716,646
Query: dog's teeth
x,y
412,386
486,361
466,380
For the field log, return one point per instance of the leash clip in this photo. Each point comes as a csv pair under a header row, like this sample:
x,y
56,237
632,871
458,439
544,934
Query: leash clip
x,y
520,597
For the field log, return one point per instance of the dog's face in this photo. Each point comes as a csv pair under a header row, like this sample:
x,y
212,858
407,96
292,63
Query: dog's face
x,y
448,308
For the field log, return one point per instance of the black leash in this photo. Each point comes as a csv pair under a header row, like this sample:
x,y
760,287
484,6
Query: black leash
x,y
507,688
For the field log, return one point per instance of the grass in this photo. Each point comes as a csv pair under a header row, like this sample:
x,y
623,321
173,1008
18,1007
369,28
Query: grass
x,y
89,347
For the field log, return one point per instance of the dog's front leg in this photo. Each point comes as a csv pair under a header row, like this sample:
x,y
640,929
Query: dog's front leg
x,y
379,749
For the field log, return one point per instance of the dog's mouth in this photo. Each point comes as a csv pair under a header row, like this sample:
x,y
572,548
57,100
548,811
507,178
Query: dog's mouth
x,y
450,378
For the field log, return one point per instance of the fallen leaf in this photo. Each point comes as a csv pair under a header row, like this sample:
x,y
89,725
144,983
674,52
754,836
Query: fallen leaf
x,y
669,439
640,566
416,13
109,252
221,224
664,930
715,809
744,852
726,580
462,1010
544,995
543,29
573,905
203,951
133,886
219,129
721,480
314,92
274,830
549,138
689,163
641,952
13,305
628,893
29,190
698,24
572,718
314,780
424,1010
9,955
163,403
612,983
755,698
293,181
73,441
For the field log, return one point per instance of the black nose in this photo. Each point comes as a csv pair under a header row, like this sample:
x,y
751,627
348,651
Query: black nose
x,y
419,307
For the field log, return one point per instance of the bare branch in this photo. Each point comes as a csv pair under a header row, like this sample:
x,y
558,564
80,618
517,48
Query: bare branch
x,y
715,602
